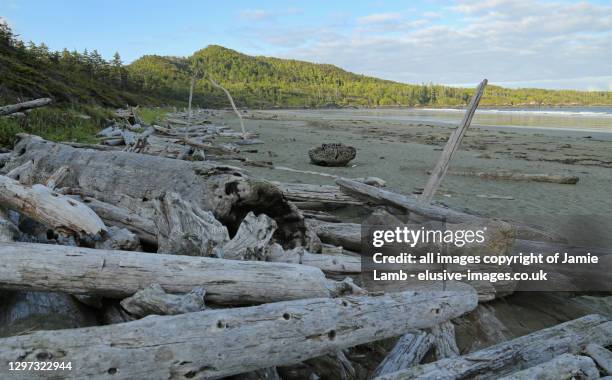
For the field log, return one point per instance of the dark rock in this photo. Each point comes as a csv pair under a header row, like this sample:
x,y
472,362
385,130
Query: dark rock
x,y
332,154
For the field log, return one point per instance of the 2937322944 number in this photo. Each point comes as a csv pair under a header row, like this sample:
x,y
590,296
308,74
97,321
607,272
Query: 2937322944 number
x,y
40,366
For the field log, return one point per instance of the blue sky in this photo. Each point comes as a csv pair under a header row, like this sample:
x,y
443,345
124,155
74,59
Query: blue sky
x,y
515,43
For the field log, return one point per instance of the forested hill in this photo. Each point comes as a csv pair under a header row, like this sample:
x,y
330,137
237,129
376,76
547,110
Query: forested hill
x,y
29,70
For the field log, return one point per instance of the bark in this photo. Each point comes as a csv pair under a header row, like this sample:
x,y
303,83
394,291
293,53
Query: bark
x,y
154,300
120,274
213,343
12,108
511,356
56,211
563,367
131,181
409,350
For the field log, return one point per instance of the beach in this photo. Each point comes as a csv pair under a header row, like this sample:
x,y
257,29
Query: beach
x,y
402,149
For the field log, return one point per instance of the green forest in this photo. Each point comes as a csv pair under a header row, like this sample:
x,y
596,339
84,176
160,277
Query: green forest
x,y
29,70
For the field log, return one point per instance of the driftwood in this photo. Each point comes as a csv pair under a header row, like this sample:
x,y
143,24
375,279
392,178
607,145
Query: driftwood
x,y
185,229
137,179
229,97
56,211
154,300
514,355
563,367
119,239
602,357
479,329
8,230
512,176
334,366
211,344
12,108
325,194
251,240
347,235
452,146
120,274
409,350
122,217
445,344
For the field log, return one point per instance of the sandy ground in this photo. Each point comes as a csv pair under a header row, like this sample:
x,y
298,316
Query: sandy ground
x,y
401,153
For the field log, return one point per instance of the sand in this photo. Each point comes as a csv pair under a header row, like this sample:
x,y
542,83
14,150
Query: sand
x,y
401,153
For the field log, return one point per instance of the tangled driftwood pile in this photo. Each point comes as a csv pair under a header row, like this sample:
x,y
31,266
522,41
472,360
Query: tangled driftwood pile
x,y
237,276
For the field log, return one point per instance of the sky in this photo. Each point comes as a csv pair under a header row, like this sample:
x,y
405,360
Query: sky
x,y
555,44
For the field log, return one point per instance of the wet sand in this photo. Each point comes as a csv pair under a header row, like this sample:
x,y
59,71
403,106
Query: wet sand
x,y
401,152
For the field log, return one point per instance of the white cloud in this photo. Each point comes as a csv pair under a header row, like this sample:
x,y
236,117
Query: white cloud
x,y
266,15
555,43
379,18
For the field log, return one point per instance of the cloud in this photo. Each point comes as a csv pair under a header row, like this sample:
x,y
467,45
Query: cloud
x,y
379,18
557,43
266,15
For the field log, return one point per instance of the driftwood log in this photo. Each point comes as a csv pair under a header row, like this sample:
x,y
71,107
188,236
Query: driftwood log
x,y
515,355
513,176
132,181
409,350
212,344
56,211
321,194
154,300
602,357
444,341
563,367
120,274
12,108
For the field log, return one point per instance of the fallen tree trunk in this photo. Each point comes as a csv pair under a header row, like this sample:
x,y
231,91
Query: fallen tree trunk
x,y
59,212
132,181
409,350
211,344
120,274
512,176
12,108
347,235
514,355
563,367
602,357
324,194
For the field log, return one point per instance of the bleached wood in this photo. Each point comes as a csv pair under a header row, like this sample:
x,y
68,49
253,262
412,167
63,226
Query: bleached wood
x,y
445,343
12,108
563,367
120,274
57,177
513,176
602,357
452,146
211,344
326,194
251,240
511,356
347,235
409,350
153,300
333,366
49,208
229,97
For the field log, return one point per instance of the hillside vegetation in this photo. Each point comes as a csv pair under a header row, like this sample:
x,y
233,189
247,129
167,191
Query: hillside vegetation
x,y
73,78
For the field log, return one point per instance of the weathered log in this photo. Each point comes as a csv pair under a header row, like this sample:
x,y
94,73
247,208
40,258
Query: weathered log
x,y
51,209
119,239
452,146
563,367
335,266
602,357
513,176
186,229
409,350
57,177
511,356
143,227
120,274
430,211
445,344
325,194
12,108
480,329
212,343
251,240
154,300
4,158
137,179
347,235
334,366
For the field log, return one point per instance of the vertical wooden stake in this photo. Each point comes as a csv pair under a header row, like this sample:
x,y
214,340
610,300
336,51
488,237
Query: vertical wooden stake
x,y
189,111
451,147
